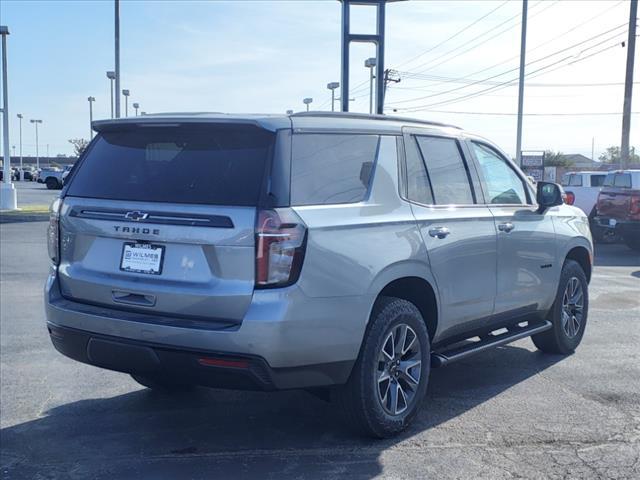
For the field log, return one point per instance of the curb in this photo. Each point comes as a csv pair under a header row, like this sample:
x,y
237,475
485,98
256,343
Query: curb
x,y
21,218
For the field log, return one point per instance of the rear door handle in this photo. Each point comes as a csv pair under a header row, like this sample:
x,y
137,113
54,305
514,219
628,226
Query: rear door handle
x,y
506,227
439,232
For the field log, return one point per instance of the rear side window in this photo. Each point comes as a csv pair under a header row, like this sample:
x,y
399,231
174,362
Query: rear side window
x,y
597,180
622,180
331,168
447,171
203,164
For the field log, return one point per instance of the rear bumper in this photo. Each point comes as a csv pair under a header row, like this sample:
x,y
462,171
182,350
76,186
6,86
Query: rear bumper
x,y
621,227
212,369
298,341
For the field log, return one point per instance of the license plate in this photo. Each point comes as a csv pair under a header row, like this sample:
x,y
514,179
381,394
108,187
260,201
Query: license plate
x,y
612,222
142,258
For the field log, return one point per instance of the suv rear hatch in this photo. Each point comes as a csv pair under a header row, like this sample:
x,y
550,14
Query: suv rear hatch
x,y
160,219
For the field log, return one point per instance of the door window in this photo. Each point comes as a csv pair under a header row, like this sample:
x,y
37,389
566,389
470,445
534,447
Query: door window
x,y
575,181
418,187
447,171
501,182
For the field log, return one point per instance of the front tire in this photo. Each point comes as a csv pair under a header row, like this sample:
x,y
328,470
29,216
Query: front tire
x,y
389,380
568,314
51,183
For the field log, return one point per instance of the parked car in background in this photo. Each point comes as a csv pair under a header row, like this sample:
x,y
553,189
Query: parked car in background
x,y
582,188
53,178
344,252
618,206
29,174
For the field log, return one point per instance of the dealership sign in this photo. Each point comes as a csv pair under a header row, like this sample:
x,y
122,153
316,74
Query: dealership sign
x,y
533,165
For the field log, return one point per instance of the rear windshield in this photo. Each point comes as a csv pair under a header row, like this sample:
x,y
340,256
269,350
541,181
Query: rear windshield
x,y
205,164
618,180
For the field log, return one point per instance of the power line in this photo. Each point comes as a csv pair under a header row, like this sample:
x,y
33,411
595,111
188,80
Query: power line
x,y
454,35
566,32
501,86
434,63
516,68
576,114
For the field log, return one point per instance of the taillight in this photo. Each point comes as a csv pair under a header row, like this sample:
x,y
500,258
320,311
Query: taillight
x,y
634,206
53,232
570,198
280,245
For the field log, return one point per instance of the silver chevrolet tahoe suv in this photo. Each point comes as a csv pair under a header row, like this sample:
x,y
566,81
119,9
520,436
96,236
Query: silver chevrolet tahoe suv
x,y
337,253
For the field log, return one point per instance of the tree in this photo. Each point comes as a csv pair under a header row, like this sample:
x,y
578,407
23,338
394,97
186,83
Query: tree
x,y
79,144
612,155
556,159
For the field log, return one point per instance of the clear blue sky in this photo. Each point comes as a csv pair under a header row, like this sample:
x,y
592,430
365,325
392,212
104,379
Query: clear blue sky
x,y
266,56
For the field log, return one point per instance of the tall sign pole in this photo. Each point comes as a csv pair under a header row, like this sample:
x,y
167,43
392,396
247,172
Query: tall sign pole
x,y
377,39
8,199
628,85
523,48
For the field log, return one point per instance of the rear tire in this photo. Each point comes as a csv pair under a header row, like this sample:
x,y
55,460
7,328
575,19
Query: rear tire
x,y
382,396
568,314
163,385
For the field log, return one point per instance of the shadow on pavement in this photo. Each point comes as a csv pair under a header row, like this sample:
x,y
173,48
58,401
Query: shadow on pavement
x,y
225,434
616,255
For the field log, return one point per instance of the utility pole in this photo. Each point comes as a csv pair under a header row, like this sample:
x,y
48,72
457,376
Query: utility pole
x,y
389,77
117,54
523,48
370,63
628,85
593,145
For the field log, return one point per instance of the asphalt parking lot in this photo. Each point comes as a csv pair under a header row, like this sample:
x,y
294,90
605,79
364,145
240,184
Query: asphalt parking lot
x,y
511,412
34,193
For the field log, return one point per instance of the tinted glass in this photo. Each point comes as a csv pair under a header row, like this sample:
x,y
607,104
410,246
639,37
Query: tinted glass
x,y
418,188
565,179
331,168
447,171
502,184
597,180
575,181
217,165
622,180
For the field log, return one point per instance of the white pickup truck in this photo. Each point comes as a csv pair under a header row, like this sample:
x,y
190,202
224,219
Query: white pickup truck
x,y
582,189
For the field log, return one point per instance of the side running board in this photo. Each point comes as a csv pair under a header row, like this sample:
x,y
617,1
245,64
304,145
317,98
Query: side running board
x,y
446,356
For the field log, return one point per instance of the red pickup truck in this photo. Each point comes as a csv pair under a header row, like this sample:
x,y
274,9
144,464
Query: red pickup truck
x,y
618,206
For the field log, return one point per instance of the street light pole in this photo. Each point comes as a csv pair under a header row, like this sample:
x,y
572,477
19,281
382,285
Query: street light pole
x,y
8,200
136,106
523,49
370,63
332,86
125,92
307,102
111,76
91,100
20,143
36,122
117,54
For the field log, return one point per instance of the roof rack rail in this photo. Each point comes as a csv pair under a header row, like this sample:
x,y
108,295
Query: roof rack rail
x,y
371,117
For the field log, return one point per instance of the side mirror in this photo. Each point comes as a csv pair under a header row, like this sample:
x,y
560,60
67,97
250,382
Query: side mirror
x,y
548,195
